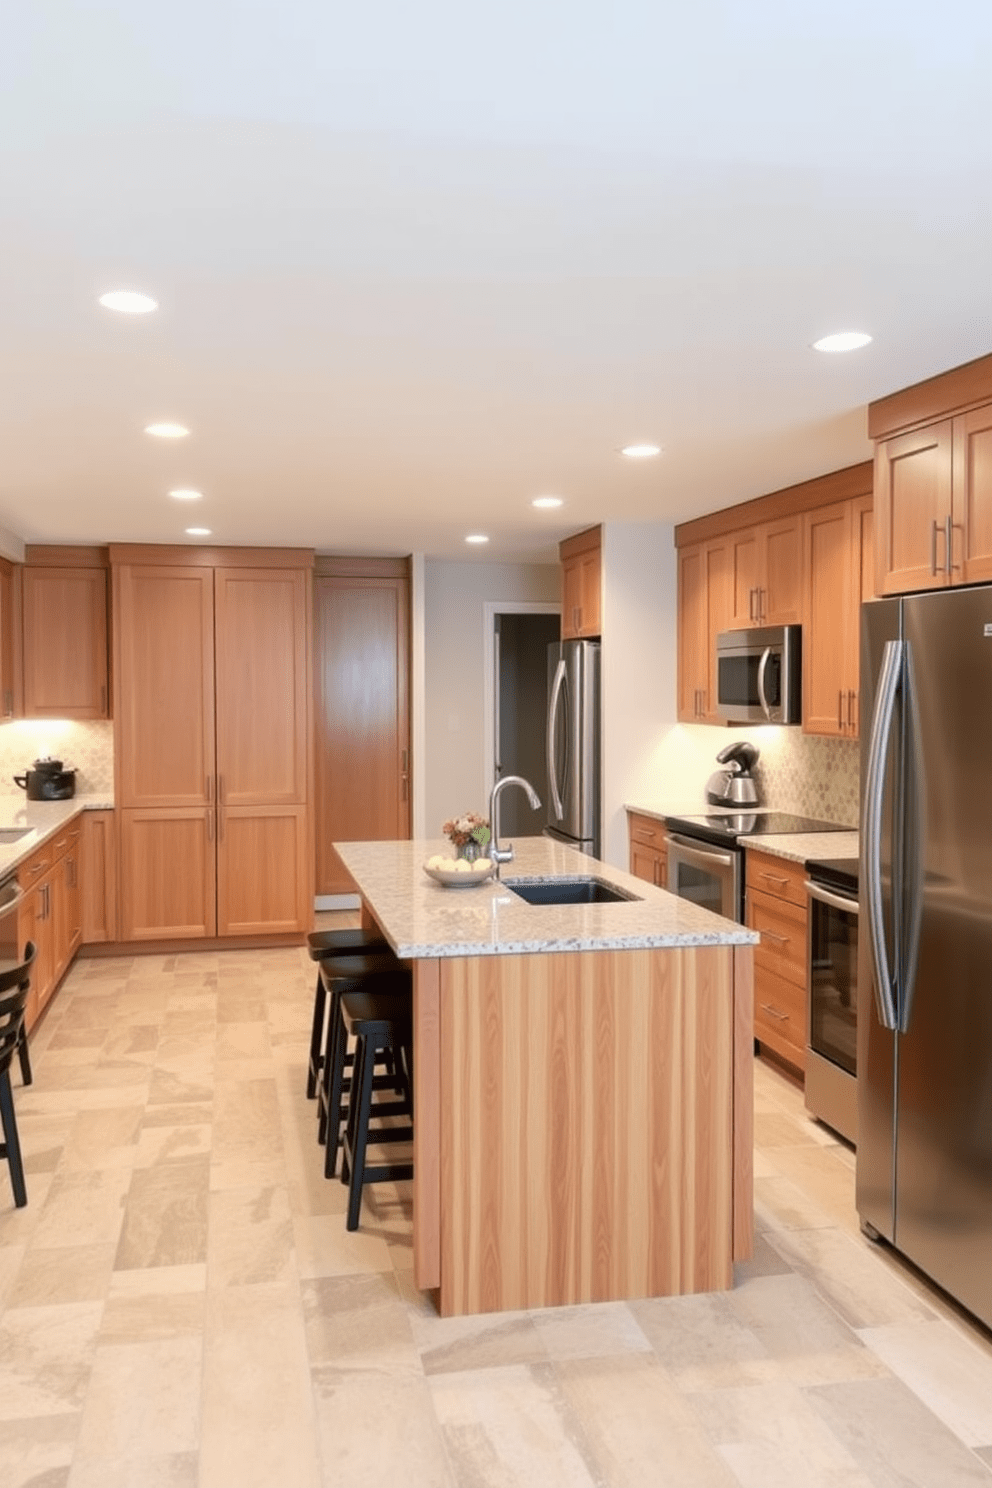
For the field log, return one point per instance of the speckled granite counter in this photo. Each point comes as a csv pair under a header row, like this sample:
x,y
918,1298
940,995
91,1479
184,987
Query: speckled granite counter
x,y
798,846
38,820
422,918
583,1108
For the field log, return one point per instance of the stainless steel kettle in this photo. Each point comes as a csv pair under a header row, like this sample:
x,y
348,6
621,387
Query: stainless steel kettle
x,y
735,786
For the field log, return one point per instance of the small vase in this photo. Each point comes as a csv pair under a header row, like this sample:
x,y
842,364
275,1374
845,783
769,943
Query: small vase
x,y
470,851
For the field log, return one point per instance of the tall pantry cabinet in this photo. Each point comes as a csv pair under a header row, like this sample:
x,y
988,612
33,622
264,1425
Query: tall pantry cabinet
x,y
213,752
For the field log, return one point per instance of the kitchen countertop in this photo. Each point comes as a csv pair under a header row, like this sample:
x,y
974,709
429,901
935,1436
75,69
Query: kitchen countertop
x,y
39,820
796,846
421,918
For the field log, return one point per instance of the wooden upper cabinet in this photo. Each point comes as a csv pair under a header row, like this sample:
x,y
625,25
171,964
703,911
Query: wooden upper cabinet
x,y
913,475
262,685
838,577
704,609
582,582
766,570
971,540
164,684
65,642
11,686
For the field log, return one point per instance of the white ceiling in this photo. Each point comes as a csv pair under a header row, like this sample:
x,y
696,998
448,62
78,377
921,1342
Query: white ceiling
x,y
418,264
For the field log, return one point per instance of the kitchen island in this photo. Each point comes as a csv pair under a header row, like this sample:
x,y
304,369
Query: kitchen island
x,y
583,1082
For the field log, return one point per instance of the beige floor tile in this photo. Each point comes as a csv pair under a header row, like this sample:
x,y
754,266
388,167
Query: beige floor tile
x,y
641,1431
103,1138
795,1326
37,1452
512,1425
894,1438
184,1113
258,1413
83,1208
359,1322
246,1120
950,1373
380,1430
461,1345
325,1248
780,1204
165,1217
143,1400
776,1128
825,1174
75,1273
150,1317
601,1330
167,1144
46,1355
845,1271
250,1237
176,1470
771,1436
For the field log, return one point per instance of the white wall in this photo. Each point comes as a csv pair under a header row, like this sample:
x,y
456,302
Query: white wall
x,y
638,669
454,702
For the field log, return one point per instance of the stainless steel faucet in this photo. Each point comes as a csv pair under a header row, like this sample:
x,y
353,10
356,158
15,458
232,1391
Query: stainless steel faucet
x,y
505,854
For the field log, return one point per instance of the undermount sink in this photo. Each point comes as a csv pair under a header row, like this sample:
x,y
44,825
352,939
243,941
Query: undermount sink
x,y
12,834
567,891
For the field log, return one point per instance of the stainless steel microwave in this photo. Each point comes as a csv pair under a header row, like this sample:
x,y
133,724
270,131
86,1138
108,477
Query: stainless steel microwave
x,y
759,674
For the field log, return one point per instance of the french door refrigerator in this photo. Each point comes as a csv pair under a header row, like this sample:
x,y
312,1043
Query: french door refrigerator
x,y
924,1159
573,745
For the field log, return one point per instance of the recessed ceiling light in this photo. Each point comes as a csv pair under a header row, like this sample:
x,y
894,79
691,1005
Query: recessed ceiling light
x,y
641,451
198,532
477,537
186,493
128,301
166,431
842,341
546,502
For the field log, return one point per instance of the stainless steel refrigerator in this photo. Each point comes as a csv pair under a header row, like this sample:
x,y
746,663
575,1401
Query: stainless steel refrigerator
x,y
573,745
924,1160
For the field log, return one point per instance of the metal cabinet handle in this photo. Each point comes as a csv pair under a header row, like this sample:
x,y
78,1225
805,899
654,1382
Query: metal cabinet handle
x,y
778,939
933,547
772,877
774,1012
103,699
210,826
948,529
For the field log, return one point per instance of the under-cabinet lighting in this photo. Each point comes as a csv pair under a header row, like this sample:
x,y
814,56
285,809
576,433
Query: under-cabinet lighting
x,y
842,341
128,301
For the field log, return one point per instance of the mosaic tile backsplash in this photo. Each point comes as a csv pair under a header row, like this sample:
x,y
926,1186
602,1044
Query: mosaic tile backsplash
x,y
87,748
795,772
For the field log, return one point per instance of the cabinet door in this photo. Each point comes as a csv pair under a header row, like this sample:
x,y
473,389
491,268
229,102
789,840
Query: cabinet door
x,y
164,685
693,634
781,598
11,693
913,477
718,564
168,873
745,580
98,876
263,883
829,620
30,930
73,900
362,648
971,559
263,686
65,642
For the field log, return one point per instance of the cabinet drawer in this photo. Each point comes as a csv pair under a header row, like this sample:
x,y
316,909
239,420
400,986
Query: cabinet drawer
x,y
780,1016
647,830
31,870
782,927
778,876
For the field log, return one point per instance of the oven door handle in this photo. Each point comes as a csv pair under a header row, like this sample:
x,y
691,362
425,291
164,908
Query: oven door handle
x,y
700,857
836,901
15,898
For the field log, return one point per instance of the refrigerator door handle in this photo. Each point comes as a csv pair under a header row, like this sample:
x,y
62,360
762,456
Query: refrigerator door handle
x,y
878,754
556,687
762,696
913,853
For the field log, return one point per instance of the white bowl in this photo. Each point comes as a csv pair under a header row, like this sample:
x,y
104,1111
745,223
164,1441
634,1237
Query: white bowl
x,y
459,880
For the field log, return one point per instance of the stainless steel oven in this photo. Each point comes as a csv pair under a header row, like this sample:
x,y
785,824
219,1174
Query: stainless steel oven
x,y
706,873
832,983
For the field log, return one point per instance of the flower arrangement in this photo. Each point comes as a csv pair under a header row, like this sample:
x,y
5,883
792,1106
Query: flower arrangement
x,y
467,828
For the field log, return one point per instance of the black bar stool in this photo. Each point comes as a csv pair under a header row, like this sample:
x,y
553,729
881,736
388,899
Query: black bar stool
x,y
14,987
322,944
340,974
381,1023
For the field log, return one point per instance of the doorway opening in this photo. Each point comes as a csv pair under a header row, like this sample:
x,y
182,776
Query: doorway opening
x,y
518,637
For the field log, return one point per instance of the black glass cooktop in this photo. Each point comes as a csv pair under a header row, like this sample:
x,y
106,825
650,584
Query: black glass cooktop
x,y
728,826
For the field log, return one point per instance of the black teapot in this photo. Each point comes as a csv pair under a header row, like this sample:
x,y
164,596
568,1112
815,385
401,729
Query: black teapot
x,y
47,781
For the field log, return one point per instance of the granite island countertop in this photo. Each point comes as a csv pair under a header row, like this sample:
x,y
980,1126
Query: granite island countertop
x,y
421,918
38,820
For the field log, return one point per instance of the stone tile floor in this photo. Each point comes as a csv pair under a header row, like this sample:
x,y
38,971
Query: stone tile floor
x,y
182,1307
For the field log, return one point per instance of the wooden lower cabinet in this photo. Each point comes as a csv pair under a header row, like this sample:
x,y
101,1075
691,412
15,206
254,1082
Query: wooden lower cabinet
x,y
776,908
262,870
98,876
168,873
50,914
648,848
